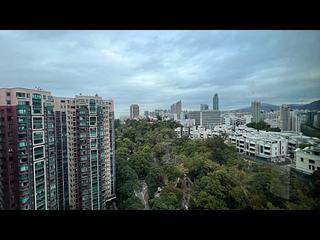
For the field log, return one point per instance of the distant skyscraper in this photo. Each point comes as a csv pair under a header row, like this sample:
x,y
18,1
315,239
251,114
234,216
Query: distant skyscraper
x,y
285,122
204,107
134,111
146,114
215,102
256,109
176,108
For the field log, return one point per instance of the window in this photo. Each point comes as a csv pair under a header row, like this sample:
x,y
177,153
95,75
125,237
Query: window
x,y
36,103
93,143
37,122
23,168
8,102
22,111
93,132
38,152
93,121
38,138
22,144
22,128
8,94
301,159
93,154
92,104
20,94
311,161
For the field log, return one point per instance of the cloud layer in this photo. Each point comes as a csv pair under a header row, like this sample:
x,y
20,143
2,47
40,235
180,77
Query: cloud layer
x,y
156,68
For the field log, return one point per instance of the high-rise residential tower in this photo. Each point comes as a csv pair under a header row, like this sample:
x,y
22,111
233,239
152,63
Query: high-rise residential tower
x,y
28,150
55,152
134,111
93,141
285,118
66,141
176,108
215,102
256,111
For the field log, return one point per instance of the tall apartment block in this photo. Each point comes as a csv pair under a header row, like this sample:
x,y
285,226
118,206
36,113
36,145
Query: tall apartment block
x,y
256,111
55,153
66,142
176,108
27,149
215,105
285,117
134,111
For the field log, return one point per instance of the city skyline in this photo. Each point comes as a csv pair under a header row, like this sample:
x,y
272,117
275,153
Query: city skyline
x,y
156,68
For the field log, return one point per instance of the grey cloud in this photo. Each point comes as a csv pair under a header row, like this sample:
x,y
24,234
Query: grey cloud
x,y
156,68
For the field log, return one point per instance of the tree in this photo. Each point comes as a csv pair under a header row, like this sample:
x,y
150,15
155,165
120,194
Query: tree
x,y
154,180
169,199
141,164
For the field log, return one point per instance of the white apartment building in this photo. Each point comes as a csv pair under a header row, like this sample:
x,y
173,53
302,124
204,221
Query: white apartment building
x,y
308,159
264,146
289,140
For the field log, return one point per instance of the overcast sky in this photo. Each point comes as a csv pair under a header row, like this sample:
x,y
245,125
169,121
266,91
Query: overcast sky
x,y
157,68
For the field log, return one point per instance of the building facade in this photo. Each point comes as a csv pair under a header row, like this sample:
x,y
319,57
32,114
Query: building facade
x,y
194,115
210,119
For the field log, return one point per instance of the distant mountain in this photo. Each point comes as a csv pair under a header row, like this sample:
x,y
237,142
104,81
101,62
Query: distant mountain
x,y
264,106
315,106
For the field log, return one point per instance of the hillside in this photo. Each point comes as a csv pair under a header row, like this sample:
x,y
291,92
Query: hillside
x,y
315,106
310,106
264,106
157,171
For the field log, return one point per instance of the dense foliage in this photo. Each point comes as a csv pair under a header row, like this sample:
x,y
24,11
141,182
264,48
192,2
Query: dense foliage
x,y
200,174
310,131
263,126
